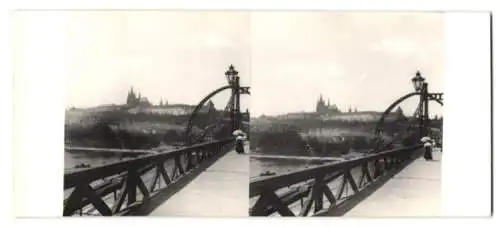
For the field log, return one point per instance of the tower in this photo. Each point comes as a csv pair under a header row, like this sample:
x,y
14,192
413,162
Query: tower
x,y
320,104
131,98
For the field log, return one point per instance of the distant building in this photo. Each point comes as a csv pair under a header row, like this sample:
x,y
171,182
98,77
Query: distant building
x,y
364,116
138,104
326,108
134,100
174,110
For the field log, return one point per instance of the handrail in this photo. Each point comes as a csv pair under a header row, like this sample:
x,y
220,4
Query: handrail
x,y
125,177
283,180
276,194
98,172
113,150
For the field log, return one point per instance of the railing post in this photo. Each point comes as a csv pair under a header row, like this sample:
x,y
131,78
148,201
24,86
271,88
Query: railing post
x,y
428,149
131,185
236,104
74,201
189,160
318,201
178,164
376,168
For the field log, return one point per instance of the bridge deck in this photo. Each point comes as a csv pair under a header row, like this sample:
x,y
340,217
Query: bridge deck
x,y
219,191
413,192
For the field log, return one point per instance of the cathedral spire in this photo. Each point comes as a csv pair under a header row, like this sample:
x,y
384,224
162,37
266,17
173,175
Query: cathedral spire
x,y
131,96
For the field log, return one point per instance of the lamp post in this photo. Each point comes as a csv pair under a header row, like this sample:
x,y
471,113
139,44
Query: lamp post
x,y
234,80
418,81
421,87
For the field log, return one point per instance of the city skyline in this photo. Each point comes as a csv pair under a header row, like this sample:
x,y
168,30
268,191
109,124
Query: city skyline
x,y
163,102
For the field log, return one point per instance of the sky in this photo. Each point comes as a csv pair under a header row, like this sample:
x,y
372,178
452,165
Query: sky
x,y
363,60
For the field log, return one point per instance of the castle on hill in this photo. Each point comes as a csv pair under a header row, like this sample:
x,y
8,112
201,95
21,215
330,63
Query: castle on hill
x,y
140,104
134,100
323,107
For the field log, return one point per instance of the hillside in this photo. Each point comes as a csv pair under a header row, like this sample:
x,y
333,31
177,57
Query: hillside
x,y
320,135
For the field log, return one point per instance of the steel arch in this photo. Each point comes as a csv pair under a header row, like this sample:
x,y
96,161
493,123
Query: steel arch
x,y
198,107
390,108
394,104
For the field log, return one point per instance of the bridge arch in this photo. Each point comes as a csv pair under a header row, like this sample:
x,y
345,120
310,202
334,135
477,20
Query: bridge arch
x,y
233,106
395,104
197,109
429,97
389,109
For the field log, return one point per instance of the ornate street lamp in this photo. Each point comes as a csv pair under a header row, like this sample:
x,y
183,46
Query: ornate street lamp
x,y
234,81
231,74
418,82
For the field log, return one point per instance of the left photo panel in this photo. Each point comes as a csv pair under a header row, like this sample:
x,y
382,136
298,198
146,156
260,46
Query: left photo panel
x,y
156,113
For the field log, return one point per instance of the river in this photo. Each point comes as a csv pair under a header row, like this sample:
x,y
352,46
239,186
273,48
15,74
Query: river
x,y
260,165
73,158
257,165
280,165
93,159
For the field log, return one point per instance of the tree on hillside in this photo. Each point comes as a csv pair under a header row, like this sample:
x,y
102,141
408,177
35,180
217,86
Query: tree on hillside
x,y
211,107
399,114
280,142
399,111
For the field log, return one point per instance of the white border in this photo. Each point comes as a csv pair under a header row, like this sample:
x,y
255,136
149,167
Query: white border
x,y
5,97
345,5
467,151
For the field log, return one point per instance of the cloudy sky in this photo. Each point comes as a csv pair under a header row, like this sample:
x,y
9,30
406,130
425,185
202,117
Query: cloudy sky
x,y
363,60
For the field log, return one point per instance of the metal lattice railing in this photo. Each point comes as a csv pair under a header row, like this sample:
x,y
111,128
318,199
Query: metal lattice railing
x,y
328,187
103,190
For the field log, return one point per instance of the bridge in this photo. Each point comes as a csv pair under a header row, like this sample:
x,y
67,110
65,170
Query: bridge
x,y
206,177
387,181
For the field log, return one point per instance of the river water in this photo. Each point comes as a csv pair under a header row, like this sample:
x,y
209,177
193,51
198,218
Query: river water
x,y
280,165
257,165
93,159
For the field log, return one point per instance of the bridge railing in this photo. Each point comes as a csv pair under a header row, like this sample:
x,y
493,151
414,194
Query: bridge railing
x,y
103,190
294,194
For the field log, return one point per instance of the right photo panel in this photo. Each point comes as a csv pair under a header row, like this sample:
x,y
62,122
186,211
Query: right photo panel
x,y
346,114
